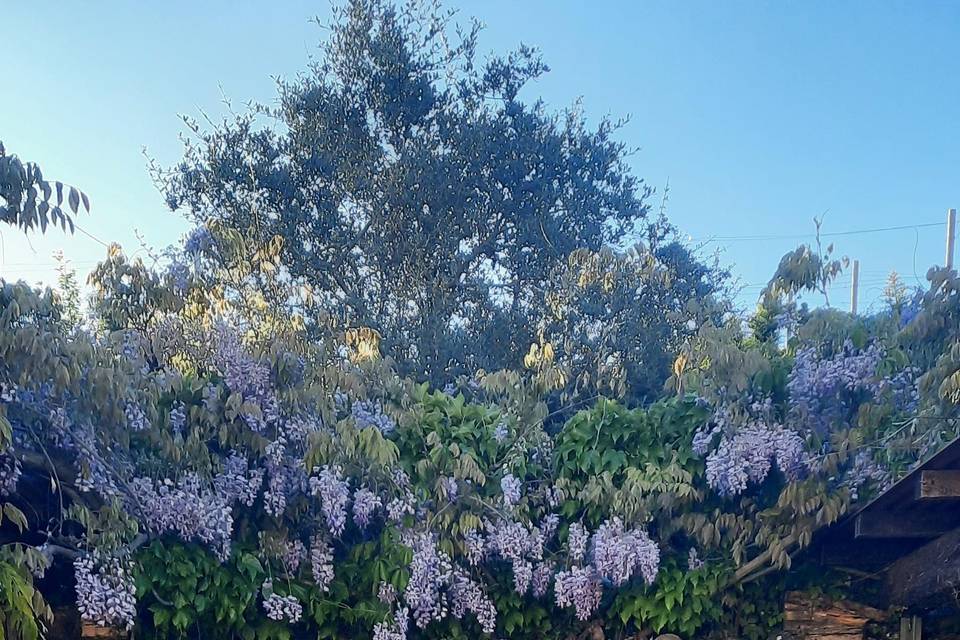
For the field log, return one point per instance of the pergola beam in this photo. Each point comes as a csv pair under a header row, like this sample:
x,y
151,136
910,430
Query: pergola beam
x,y
896,524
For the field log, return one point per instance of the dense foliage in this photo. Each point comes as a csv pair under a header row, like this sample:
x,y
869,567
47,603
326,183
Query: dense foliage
x,y
208,467
296,428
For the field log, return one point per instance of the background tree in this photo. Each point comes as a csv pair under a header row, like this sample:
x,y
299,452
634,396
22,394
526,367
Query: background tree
x,y
414,190
618,319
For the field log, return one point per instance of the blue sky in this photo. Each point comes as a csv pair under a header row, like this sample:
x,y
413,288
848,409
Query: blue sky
x,y
760,115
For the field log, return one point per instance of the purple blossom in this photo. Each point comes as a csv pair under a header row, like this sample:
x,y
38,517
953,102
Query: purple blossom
x,y
580,588
136,418
450,488
280,607
430,573
825,391
395,629
294,553
476,546
106,594
247,377
542,577
367,414
178,275
321,563
365,503
512,489
286,478
522,575
748,454
400,507
387,593
187,508
467,596
618,553
198,241
865,471
693,560
912,308
334,493
238,482
577,539
548,526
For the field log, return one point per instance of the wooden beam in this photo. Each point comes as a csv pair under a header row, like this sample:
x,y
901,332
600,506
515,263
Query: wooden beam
x,y
895,524
939,484
928,571
872,557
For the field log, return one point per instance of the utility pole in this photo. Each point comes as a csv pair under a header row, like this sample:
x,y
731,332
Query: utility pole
x,y
854,287
951,236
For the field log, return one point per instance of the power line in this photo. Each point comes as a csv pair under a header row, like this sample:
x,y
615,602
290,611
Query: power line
x,y
90,235
829,234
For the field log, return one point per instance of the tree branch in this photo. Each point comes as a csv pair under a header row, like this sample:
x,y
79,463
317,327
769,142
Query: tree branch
x,y
743,574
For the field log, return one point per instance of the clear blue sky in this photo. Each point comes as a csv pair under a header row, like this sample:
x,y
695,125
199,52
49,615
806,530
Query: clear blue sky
x,y
761,115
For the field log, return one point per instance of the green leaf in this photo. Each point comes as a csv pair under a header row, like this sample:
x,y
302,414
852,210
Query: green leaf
x,y
15,516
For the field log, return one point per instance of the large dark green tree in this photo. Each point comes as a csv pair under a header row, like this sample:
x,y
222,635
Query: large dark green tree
x,y
414,189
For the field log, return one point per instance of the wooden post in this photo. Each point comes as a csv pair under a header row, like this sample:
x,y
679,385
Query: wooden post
x,y
911,628
951,236
854,287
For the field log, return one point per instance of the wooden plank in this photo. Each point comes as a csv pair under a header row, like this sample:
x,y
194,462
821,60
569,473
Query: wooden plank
x,y
895,524
91,630
819,618
939,484
930,570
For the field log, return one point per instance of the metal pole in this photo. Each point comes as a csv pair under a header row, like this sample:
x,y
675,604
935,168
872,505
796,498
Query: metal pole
x,y
854,286
951,235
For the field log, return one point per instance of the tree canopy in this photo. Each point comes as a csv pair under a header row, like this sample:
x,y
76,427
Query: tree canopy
x,y
417,194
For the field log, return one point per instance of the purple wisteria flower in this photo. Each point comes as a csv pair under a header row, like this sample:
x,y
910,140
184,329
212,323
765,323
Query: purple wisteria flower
x,y
543,575
512,489
368,414
747,455
693,560
365,503
334,493
106,593
321,563
580,588
395,629
577,539
430,575
280,607
825,390
246,376
619,553
178,418
467,596
188,508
